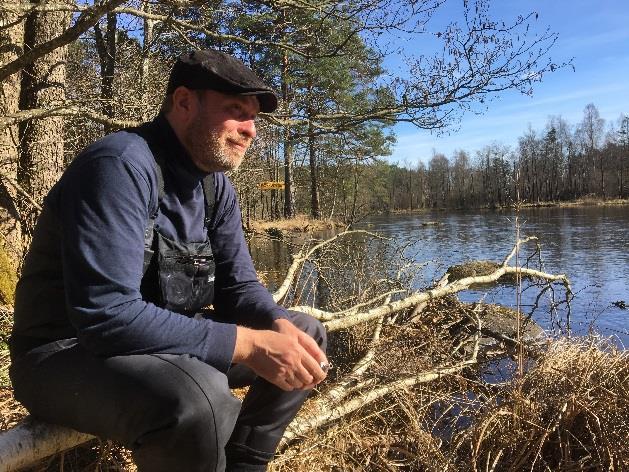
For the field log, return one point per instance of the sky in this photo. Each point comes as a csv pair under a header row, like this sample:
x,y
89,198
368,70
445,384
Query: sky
x,y
594,34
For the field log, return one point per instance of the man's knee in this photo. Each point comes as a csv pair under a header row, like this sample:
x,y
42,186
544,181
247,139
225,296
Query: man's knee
x,y
195,393
191,418
311,326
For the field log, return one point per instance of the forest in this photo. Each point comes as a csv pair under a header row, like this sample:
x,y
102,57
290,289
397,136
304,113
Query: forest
x,y
408,390
563,162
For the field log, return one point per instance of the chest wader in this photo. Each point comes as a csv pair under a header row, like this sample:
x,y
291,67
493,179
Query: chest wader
x,y
179,276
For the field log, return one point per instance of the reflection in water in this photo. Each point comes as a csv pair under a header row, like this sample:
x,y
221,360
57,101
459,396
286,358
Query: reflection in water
x,y
589,244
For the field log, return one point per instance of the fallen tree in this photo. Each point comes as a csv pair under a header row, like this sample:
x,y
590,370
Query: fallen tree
x,y
410,353
31,440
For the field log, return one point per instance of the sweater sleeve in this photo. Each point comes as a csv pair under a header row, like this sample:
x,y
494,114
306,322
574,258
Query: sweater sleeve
x,y
103,207
239,295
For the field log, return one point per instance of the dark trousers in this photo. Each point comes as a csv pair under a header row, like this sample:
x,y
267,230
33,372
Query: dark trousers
x,y
174,412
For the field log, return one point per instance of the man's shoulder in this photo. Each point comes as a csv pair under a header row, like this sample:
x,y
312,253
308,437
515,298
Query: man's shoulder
x,y
125,144
224,189
123,151
226,203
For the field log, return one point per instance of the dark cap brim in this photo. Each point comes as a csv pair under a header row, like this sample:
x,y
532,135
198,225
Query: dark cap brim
x,y
267,100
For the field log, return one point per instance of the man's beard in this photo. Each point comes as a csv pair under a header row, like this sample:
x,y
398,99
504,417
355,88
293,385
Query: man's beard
x,y
207,151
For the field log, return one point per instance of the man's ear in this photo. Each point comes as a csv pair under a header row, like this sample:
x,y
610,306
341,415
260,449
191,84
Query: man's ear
x,y
185,103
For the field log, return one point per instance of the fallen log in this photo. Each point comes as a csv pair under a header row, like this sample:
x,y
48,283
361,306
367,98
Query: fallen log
x,y
32,440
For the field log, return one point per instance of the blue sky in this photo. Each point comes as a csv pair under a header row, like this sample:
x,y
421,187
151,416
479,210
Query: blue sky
x,y
595,34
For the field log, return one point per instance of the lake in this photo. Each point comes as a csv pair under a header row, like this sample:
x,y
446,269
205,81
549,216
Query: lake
x,y
590,244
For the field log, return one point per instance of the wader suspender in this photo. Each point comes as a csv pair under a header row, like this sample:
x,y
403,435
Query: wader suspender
x,y
208,191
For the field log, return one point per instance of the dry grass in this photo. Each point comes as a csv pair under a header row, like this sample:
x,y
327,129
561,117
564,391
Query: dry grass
x,y
472,269
568,412
8,276
6,321
597,201
588,200
298,224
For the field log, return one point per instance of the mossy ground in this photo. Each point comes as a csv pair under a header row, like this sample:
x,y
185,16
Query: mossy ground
x,y
8,277
479,268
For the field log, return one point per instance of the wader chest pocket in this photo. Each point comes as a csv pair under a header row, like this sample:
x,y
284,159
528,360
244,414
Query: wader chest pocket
x,y
186,274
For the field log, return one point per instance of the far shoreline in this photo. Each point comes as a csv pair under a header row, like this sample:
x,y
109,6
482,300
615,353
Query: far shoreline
x,y
581,202
302,223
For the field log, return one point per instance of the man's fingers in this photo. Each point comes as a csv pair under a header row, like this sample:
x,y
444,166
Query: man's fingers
x,y
306,374
314,359
284,385
289,358
314,368
311,347
303,374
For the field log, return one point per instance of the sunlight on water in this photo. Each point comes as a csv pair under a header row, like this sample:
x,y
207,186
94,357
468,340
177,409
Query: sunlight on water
x,y
589,244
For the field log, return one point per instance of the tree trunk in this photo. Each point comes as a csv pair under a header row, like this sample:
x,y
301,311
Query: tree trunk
x,y
623,153
601,161
352,216
289,191
106,47
275,194
314,180
410,188
11,40
32,440
43,85
146,60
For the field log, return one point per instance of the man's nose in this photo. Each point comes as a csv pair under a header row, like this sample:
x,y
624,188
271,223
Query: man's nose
x,y
248,128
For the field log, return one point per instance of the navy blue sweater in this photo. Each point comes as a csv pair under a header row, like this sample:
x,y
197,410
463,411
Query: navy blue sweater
x,y
82,275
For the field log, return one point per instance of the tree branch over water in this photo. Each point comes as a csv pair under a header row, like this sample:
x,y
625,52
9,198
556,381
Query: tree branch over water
x,y
353,315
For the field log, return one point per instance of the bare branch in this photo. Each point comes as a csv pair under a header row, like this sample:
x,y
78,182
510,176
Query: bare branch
x,y
88,18
21,191
302,426
517,247
302,257
323,315
63,110
447,289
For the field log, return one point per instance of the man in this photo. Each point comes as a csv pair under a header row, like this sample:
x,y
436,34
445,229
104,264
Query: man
x,y
142,232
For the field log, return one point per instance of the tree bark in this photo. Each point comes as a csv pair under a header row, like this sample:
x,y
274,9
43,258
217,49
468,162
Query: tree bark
x,y
11,36
43,85
146,58
66,35
32,440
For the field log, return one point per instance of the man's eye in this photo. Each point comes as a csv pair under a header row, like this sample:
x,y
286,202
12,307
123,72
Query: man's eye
x,y
240,112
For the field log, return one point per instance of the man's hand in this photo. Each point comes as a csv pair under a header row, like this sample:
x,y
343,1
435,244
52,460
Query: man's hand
x,y
285,355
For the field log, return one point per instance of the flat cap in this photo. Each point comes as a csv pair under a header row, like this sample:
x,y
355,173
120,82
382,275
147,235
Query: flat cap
x,y
214,70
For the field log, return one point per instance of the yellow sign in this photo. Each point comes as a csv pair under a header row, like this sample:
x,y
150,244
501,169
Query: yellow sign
x,y
270,185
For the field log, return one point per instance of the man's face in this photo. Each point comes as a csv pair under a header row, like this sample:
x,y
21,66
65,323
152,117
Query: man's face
x,y
221,130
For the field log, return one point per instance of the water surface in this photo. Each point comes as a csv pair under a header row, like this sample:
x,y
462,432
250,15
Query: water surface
x,y
590,244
